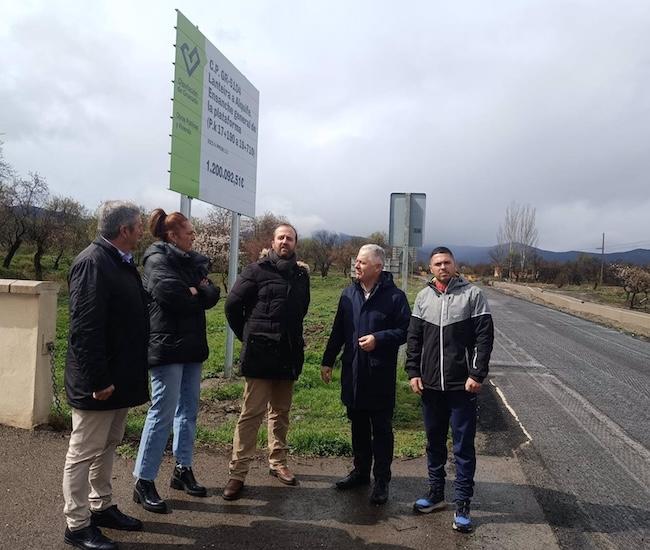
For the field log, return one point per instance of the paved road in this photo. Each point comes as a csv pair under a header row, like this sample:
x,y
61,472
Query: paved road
x,y
581,393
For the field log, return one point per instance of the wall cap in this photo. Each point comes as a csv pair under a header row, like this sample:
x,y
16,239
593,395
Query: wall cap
x,y
13,286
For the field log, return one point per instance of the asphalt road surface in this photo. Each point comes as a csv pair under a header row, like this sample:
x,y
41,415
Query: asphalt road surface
x,y
581,394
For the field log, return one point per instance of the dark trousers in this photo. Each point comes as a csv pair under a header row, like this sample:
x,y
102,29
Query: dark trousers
x,y
441,409
372,437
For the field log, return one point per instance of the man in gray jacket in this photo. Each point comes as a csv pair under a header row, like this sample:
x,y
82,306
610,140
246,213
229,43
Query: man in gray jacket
x,y
449,344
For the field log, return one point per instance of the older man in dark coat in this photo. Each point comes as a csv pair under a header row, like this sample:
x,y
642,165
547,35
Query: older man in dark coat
x,y
370,325
105,372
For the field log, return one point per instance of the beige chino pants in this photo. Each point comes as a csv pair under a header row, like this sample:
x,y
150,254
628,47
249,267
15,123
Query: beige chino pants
x,y
261,396
89,464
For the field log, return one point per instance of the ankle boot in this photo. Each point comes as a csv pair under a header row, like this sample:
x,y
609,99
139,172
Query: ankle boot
x,y
183,480
145,493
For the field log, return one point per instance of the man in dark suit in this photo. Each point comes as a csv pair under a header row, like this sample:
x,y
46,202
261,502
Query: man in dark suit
x,y
370,325
105,372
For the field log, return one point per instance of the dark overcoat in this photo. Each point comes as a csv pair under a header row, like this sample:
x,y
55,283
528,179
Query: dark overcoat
x,y
368,378
109,330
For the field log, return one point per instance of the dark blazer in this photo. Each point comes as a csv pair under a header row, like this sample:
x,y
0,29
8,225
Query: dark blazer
x,y
109,331
265,310
177,317
368,378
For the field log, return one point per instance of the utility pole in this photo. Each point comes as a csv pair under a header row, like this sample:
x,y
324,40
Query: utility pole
x,y
602,260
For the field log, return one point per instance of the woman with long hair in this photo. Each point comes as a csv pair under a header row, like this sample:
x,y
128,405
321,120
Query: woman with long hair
x,y
175,277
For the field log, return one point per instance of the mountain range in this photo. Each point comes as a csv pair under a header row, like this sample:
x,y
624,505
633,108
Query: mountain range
x,y
481,255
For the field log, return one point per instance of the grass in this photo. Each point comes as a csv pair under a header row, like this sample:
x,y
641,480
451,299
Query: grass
x,y
319,426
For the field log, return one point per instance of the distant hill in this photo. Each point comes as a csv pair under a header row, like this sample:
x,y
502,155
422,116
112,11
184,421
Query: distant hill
x,y
481,255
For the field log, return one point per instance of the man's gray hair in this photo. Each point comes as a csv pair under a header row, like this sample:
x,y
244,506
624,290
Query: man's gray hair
x,y
112,215
374,250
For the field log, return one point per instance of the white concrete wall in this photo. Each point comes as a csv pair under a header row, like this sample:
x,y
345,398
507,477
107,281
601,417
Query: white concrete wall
x,y
27,323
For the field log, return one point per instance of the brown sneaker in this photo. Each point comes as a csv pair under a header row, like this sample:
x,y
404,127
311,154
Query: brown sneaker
x,y
284,475
232,490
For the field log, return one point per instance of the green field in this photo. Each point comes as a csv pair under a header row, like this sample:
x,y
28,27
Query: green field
x,y
318,422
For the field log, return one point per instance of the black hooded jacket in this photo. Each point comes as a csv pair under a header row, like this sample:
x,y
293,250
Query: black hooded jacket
x,y
265,309
177,317
109,331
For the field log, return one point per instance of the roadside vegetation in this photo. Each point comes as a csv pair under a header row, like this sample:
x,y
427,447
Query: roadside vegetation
x,y
319,426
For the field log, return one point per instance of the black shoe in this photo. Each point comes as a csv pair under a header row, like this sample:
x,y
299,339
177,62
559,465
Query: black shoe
x,y
379,493
114,519
183,479
89,538
145,493
353,479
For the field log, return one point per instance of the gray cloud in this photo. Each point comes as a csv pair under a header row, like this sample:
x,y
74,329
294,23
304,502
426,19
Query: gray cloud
x,y
539,102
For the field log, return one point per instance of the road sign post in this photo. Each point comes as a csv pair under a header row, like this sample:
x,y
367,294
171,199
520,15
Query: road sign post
x,y
407,213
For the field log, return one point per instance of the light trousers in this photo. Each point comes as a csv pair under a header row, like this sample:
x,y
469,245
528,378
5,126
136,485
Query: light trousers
x,y
89,463
262,396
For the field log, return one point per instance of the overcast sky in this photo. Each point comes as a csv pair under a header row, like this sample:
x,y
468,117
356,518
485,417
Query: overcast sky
x,y
475,103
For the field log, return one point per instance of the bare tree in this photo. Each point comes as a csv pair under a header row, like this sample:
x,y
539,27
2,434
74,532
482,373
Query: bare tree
x,y
518,234
527,235
500,253
23,199
257,233
342,253
7,198
379,238
71,227
324,245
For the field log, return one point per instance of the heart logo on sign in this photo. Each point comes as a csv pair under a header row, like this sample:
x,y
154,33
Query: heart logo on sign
x,y
191,58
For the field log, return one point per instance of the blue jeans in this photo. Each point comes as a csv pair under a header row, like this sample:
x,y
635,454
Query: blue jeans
x,y
441,409
175,401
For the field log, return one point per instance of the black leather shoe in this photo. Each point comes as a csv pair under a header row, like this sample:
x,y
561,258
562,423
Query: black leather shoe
x,y
114,519
379,493
145,493
183,480
353,479
89,538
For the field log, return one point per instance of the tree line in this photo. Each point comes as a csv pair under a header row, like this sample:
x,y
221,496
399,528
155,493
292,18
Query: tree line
x,y
515,259
48,224
58,226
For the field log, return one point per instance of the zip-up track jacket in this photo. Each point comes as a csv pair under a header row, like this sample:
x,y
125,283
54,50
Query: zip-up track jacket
x,y
450,336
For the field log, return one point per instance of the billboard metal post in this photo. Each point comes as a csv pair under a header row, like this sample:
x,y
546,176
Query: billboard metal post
x,y
186,206
405,245
233,263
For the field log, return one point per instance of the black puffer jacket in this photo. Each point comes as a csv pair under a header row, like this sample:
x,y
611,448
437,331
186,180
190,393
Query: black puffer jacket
x,y
109,331
177,317
265,309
